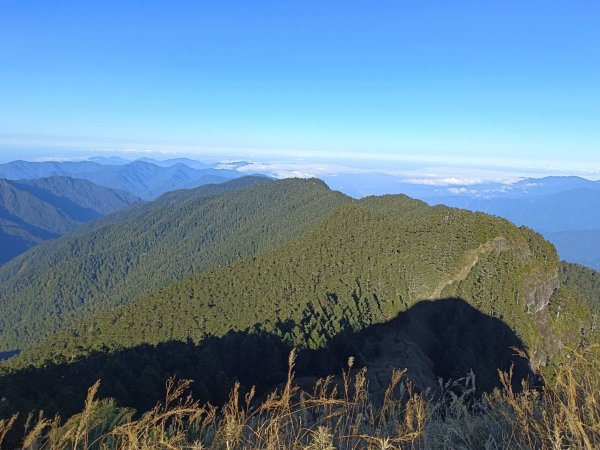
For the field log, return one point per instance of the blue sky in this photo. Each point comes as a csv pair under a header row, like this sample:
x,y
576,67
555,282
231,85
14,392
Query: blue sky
x,y
454,82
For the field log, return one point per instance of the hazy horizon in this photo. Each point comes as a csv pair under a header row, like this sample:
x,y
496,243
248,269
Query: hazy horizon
x,y
406,170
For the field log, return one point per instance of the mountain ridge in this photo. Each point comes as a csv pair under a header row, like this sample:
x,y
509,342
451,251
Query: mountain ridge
x,y
354,269
159,242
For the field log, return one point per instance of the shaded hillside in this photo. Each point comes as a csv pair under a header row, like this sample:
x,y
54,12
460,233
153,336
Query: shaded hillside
x,y
142,249
32,211
363,265
143,179
444,339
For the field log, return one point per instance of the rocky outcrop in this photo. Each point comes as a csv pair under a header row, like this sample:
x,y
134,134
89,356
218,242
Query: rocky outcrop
x,y
542,289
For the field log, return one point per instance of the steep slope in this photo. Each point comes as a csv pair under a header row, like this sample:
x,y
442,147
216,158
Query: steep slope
x,y
363,265
141,178
112,261
35,210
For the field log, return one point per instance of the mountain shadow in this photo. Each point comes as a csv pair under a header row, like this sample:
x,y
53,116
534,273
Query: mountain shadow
x,y
445,339
438,339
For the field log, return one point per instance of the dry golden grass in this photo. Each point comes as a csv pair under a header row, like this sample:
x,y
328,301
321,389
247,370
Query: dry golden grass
x,y
565,414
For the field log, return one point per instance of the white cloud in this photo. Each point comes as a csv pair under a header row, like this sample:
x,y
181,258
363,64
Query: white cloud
x,y
288,169
458,191
444,181
423,174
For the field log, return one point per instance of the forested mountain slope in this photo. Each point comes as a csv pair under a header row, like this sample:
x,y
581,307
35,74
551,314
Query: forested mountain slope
x,y
172,198
586,281
364,264
140,250
35,210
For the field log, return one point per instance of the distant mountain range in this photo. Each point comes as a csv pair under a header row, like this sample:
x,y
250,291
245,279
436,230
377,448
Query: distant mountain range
x,y
580,246
374,183
547,204
32,211
117,161
143,179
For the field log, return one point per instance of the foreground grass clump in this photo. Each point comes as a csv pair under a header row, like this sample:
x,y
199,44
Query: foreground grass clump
x,y
342,414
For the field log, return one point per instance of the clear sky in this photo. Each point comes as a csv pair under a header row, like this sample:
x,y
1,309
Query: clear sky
x,y
472,81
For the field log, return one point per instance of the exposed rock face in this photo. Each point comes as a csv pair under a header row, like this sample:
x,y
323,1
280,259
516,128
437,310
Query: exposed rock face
x,y
539,296
500,244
